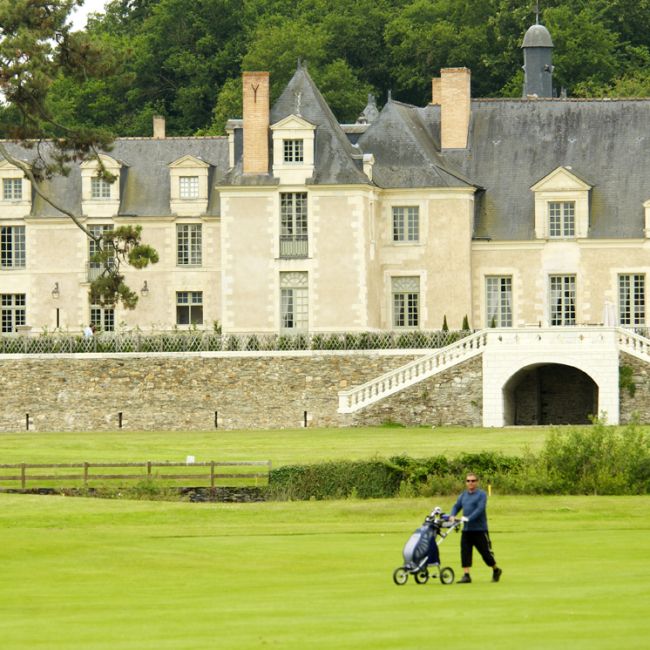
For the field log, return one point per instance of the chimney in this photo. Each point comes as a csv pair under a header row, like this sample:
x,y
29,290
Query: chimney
x,y
158,127
452,91
436,91
256,122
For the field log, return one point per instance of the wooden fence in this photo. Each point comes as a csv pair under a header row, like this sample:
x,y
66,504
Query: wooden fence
x,y
214,473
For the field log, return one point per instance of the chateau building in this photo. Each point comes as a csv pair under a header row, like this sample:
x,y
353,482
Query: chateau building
x,y
528,218
510,212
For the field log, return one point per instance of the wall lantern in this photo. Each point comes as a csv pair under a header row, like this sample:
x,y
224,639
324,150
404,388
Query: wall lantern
x,y
55,291
145,289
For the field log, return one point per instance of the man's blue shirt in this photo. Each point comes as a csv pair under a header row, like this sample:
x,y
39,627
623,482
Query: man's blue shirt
x,y
473,505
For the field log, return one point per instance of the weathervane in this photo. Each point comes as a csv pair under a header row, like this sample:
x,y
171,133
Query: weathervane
x,y
537,12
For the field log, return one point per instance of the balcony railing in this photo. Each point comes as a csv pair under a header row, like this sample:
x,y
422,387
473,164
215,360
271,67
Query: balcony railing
x,y
293,246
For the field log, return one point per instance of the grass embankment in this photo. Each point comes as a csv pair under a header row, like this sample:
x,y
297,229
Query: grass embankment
x,y
92,575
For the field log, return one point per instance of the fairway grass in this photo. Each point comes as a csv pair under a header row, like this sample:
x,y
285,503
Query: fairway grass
x,y
127,575
287,446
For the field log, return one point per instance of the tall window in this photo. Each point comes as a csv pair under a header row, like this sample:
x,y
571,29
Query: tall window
x,y
188,244
12,310
406,224
12,189
188,187
562,219
498,292
293,151
12,247
189,307
95,267
631,299
406,301
103,318
293,224
100,188
563,299
294,302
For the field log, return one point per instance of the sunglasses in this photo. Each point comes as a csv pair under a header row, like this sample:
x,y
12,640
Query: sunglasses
x,y
470,480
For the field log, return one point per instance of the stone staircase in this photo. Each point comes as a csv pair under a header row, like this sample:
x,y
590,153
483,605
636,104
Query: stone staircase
x,y
634,344
359,397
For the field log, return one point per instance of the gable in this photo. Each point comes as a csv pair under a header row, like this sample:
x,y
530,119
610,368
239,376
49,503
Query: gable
x,y
188,162
561,179
293,122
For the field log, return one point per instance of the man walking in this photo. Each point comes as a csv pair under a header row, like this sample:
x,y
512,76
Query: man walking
x,y
473,502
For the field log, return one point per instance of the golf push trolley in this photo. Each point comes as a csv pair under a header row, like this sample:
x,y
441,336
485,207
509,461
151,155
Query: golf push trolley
x,y
421,550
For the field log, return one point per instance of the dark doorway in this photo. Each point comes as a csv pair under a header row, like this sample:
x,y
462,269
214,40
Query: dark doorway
x,y
550,394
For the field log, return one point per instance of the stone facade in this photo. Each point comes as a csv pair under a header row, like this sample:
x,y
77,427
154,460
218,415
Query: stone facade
x,y
637,405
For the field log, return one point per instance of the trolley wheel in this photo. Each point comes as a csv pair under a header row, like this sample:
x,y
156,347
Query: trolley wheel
x,y
400,576
447,575
422,576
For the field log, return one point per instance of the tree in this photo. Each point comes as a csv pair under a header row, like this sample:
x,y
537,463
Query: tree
x,y
37,45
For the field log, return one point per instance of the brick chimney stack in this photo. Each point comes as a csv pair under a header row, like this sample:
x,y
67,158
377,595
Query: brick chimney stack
x,y
453,92
256,122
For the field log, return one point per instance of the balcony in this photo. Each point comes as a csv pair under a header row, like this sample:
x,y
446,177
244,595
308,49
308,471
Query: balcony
x,y
293,246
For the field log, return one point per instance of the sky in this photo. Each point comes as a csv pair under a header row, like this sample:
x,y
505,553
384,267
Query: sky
x,y
89,6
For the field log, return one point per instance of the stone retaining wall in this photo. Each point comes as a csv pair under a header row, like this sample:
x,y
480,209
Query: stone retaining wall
x,y
244,391
201,391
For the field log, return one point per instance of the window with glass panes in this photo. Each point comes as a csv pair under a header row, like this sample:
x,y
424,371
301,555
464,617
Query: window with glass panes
x,y
103,318
562,290
188,244
93,248
294,302
498,294
406,224
631,299
12,189
561,219
100,188
293,151
189,307
188,187
12,311
406,301
12,247
293,224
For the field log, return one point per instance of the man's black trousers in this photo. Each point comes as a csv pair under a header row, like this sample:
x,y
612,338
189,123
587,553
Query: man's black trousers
x,y
480,540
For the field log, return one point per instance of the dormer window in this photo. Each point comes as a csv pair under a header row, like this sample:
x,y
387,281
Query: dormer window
x,y
188,186
100,188
100,197
561,218
12,189
293,151
561,205
15,191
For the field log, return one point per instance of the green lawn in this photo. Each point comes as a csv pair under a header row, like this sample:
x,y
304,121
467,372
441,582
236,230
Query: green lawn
x,y
99,575
281,447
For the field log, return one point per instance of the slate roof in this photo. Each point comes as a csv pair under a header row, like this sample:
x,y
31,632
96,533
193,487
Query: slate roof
x,y
407,151
336,159
144,179
515,143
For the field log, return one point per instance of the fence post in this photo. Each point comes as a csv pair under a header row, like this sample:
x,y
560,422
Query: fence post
x,y
148,469
212,474
23,475
85,473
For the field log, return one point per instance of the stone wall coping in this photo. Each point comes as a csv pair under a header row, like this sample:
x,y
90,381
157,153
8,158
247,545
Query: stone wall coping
x,y
215,355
